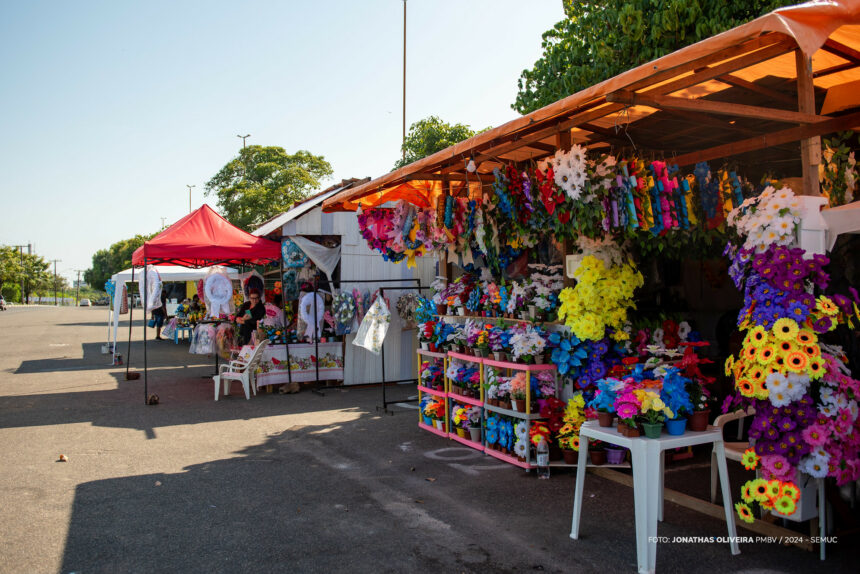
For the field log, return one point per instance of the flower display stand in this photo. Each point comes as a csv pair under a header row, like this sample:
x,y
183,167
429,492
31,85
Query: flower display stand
x,y
425,356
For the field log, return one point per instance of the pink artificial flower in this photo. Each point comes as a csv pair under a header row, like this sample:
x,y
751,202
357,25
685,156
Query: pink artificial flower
x,y
627,410
815,435
776,466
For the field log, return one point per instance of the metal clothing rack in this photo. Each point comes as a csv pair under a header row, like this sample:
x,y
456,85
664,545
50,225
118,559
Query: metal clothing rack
x,y
318,389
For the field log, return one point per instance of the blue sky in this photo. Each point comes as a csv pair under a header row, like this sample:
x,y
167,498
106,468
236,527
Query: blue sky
x,y
110,108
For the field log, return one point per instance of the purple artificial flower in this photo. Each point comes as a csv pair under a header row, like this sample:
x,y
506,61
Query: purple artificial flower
x,y
843,302
782,446
786,424
854,294
771,434
822,325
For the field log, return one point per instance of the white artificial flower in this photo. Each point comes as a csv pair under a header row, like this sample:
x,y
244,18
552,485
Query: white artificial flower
x,y
827,410
776,382
657,336
521,429
796,385
813,466
684,330
784,194
778,398
520,448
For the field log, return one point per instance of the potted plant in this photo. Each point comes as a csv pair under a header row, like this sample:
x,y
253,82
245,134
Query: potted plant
x,y
518,392
615,454
597,453
474,423
700,416
461,420
627,406
504,394
654,412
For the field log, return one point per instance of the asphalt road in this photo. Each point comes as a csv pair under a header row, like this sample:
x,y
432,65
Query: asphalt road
x,y
289,483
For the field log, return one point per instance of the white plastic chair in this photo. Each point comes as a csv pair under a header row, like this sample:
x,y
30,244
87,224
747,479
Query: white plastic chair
x,y
734,450
240,371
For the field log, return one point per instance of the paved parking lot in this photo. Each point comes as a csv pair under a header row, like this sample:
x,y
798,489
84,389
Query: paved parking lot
x,y
288,483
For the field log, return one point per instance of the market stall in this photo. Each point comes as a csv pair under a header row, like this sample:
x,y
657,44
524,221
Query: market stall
x,y
168,274
674,159
326,254
200,239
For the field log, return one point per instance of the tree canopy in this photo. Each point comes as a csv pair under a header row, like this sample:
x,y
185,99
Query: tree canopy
x,y
262,182
34,270
115,258
430,135
600,39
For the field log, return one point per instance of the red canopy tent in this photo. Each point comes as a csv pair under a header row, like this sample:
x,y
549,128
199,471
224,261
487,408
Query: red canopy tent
x,y
200,239
204,238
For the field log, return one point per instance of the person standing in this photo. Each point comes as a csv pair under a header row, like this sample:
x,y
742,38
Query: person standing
x,y
159,315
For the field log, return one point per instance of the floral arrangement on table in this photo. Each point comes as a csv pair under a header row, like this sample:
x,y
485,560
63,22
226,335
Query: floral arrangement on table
x,y
466,417
519,386
806,411
597,306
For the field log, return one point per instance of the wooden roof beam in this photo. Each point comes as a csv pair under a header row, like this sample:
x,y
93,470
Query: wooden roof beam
x,y
769,92
711,107
733,52
834,69
705,73
842,51
772,139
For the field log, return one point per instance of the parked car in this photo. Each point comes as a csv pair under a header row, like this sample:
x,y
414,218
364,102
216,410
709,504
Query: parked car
x,y
84,302
103,302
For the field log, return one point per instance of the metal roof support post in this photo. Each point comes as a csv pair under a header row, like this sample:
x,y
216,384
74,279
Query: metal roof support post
x,y
810,148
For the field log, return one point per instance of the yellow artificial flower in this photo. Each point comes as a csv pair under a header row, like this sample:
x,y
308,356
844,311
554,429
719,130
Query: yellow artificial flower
x,y
785,329
826,306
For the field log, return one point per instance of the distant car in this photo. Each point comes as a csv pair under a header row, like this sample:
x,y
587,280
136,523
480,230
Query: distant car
x,y
103,302
84,303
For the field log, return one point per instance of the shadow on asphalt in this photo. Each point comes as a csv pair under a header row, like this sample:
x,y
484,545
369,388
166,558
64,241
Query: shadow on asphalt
x,y
350,497
273,507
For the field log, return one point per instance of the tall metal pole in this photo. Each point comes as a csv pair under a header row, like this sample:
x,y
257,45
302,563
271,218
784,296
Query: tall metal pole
x,y
403,144
244,137
56,301
78,287
189,199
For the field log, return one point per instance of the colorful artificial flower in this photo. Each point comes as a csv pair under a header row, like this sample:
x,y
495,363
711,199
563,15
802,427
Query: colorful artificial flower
x,y
750,459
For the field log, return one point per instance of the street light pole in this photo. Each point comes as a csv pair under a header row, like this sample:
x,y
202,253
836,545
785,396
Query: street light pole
x,y
403,143
78,287
56,301
190,187
244,137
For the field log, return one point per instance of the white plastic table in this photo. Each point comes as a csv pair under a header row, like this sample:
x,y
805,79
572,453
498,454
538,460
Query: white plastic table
x,y
647,455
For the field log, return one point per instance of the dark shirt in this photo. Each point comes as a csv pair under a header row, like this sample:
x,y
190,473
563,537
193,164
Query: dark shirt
x,y
250,325
163,309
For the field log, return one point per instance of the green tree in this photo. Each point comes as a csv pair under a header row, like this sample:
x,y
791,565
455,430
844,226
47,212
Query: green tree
x,y
115,258
600,39
262,182
10,271
430,135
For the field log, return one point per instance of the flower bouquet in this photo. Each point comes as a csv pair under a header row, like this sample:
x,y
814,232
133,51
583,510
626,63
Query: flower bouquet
x,y
653,412
518,391
526,344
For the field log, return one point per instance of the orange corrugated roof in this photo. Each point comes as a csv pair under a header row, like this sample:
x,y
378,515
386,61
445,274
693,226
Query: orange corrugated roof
x,y
755,52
